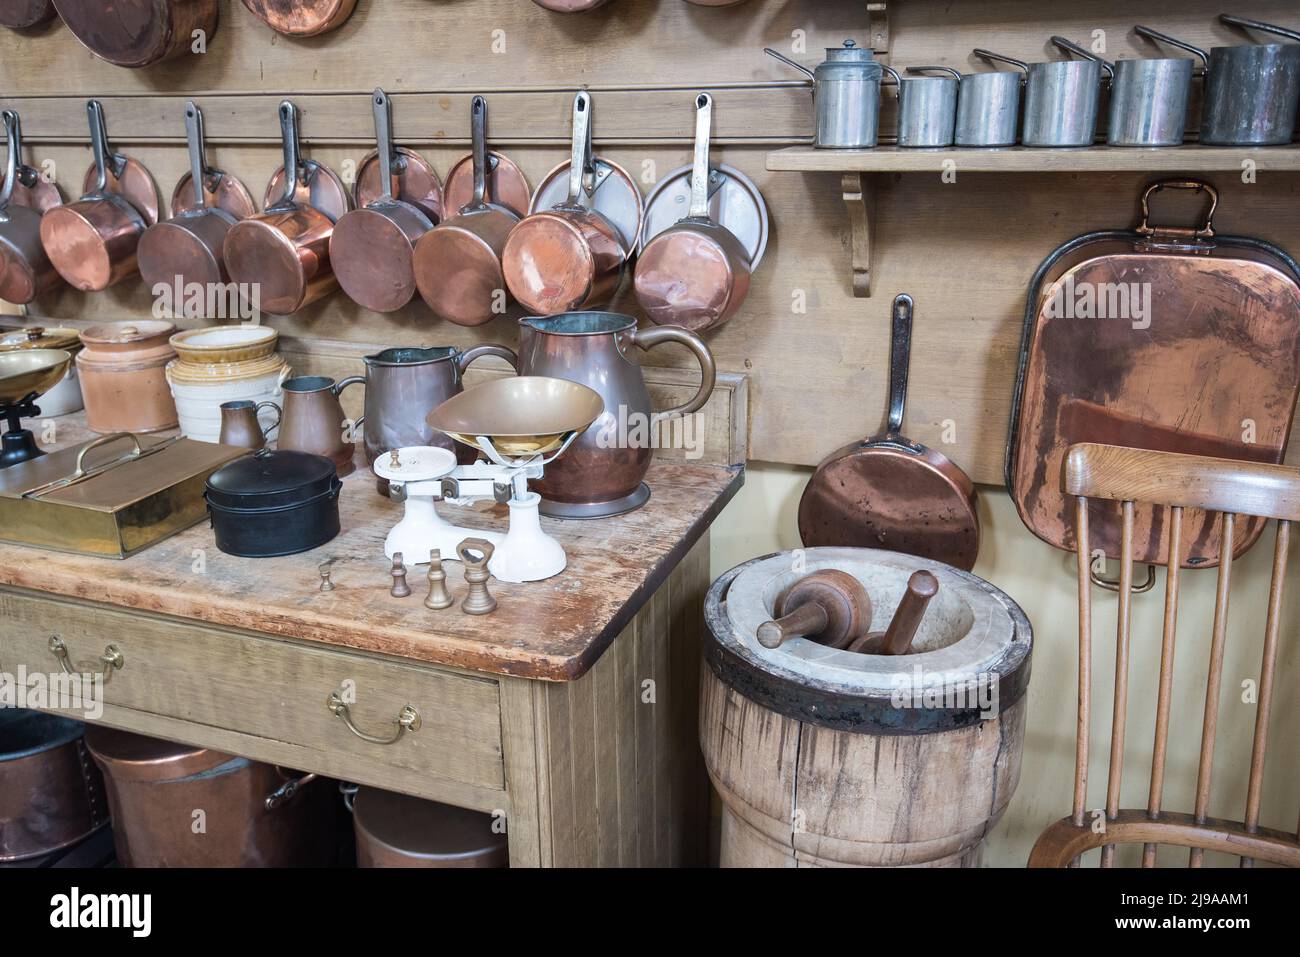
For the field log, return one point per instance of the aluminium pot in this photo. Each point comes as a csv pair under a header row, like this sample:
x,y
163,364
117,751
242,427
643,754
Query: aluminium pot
x,y
396,830
175,805
274,503
122,367
988,105
51,793
1062,98
1148,99
846,96
927,106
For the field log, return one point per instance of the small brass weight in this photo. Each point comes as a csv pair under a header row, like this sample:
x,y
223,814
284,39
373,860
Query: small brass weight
x,y
400,588
479,600
438,597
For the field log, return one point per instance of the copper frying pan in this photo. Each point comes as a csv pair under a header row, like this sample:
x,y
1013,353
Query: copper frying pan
x,y
694,274
458,265
372,247
21,14
25,269
890,492
137,33
301,18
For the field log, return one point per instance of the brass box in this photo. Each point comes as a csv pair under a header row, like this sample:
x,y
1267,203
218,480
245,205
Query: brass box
x,y
116,512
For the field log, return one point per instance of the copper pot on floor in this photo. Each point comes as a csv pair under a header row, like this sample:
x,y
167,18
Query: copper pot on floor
x,y
284,253
174,805
395,830
51,793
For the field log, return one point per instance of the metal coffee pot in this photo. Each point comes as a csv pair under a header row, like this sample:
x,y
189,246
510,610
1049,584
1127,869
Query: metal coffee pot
x,y
601,473
846,96
404,385
312,420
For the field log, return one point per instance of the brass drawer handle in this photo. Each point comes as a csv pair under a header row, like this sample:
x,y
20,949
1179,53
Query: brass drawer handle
x,y
111,659
408,719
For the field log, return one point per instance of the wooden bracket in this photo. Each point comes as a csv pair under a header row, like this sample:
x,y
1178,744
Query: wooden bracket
x,y
860,199
878,27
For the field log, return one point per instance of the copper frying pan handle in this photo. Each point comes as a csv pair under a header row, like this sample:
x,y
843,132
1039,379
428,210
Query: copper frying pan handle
x,y
194,140
1204,231
699,207
292,149
14,135
478,151
104,155
649,338
582,165
383,110
900,354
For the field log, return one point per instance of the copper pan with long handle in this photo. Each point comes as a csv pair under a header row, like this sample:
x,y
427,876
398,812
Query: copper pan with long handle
x,y
25,269
139,33
889,491
301,18
284,253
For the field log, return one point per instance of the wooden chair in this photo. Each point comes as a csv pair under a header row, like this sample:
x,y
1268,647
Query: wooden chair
x,y
1179,482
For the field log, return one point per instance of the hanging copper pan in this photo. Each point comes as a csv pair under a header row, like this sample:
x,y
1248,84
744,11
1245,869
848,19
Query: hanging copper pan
x,y
372,247
93,241
570,256
458,265
22,14
694,274
890,492
30,188
188,248
301,18
570,6
137,33
25,269
283,253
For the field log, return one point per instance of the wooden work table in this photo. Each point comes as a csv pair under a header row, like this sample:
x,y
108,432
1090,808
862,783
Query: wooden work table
x,y
571,709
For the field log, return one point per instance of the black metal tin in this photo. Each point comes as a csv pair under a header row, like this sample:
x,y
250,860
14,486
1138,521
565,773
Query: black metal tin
x,y
274,503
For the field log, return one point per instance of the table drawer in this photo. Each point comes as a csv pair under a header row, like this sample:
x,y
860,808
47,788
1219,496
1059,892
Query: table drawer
x,y
267,687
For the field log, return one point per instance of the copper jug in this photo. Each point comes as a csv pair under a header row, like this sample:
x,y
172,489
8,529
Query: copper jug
x,y
240,425
312,420
601,473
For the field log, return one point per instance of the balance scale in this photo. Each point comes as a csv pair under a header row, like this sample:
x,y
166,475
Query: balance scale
x,y
521,424
26,375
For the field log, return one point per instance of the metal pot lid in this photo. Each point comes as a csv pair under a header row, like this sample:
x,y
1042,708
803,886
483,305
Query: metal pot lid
x,y
320,188
41,337
220,191
424,829
134,757
117,333
849,52
616,197
734,202
130,179
415,181
505,184
271,479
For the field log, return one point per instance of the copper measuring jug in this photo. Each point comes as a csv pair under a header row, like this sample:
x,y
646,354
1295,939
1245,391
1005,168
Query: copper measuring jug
x,y
283,253
25,269
240,425
312,420
93,242
569,257
458,265
372,248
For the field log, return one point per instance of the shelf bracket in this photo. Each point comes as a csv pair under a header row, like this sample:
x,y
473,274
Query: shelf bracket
x,y
860,199
878,27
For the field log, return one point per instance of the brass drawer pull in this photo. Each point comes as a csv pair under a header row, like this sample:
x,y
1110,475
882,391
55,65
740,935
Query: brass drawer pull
x,y
111,659
408,719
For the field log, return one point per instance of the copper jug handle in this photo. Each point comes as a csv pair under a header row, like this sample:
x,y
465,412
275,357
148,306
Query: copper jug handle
x,y
408,719
469,355
279,416
111,659
649,338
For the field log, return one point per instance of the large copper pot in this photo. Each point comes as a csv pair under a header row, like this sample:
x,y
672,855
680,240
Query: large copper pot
x,y
123,375
25,269
51,793
179,806
137,33
301,18
601,473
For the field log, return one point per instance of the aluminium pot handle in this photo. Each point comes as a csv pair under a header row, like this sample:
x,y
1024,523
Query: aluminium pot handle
x,y
490,349
1248,24
923,70
649,338
1204,231
1077,50
1159,37
791,63
1000,58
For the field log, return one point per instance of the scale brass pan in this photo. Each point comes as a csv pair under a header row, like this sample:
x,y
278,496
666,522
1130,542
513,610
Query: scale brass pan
x,y
29,371
522,415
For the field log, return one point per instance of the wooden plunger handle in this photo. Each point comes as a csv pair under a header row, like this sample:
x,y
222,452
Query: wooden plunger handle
x,y
897,638
809,619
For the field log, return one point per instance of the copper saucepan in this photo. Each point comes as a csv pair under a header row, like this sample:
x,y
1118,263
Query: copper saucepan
x,y
22,14
283,253
137,33
93,241
25,269
188,248
301,18
570,257
570,6
372,248
694,274
458,265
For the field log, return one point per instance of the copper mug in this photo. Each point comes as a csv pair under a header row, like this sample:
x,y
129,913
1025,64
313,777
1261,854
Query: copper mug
x,y
601,473
312,419
240,425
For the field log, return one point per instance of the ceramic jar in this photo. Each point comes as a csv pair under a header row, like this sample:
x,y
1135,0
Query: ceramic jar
x,y
123,380
224,364
66,396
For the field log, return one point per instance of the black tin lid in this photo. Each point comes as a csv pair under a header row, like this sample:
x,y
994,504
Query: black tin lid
x,y
271,479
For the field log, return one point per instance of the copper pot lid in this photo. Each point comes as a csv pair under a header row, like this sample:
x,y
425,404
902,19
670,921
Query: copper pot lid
x,y
220,191
615,195
137,33
318,186
128,332
301,18
734,202
21,14
506,184
415,181
41,337
127,177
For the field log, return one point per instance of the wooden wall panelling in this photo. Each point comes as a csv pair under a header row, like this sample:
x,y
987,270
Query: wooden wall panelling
x,y
816,357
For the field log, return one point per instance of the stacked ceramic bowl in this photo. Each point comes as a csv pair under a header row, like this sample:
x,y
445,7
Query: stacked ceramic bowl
x,y
223,364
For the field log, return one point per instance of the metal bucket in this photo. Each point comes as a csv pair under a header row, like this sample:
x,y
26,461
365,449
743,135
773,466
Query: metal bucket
x,y
1148,102
927,106
395,830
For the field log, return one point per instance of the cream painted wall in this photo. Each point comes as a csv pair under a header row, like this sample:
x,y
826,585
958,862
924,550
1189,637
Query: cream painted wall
x,y
761,519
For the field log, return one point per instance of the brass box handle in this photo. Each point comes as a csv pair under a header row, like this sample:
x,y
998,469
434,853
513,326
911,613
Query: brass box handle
x,y
408,719
111,659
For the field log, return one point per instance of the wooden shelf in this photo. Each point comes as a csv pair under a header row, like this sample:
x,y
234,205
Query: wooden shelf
x,y
1029,159
857,190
